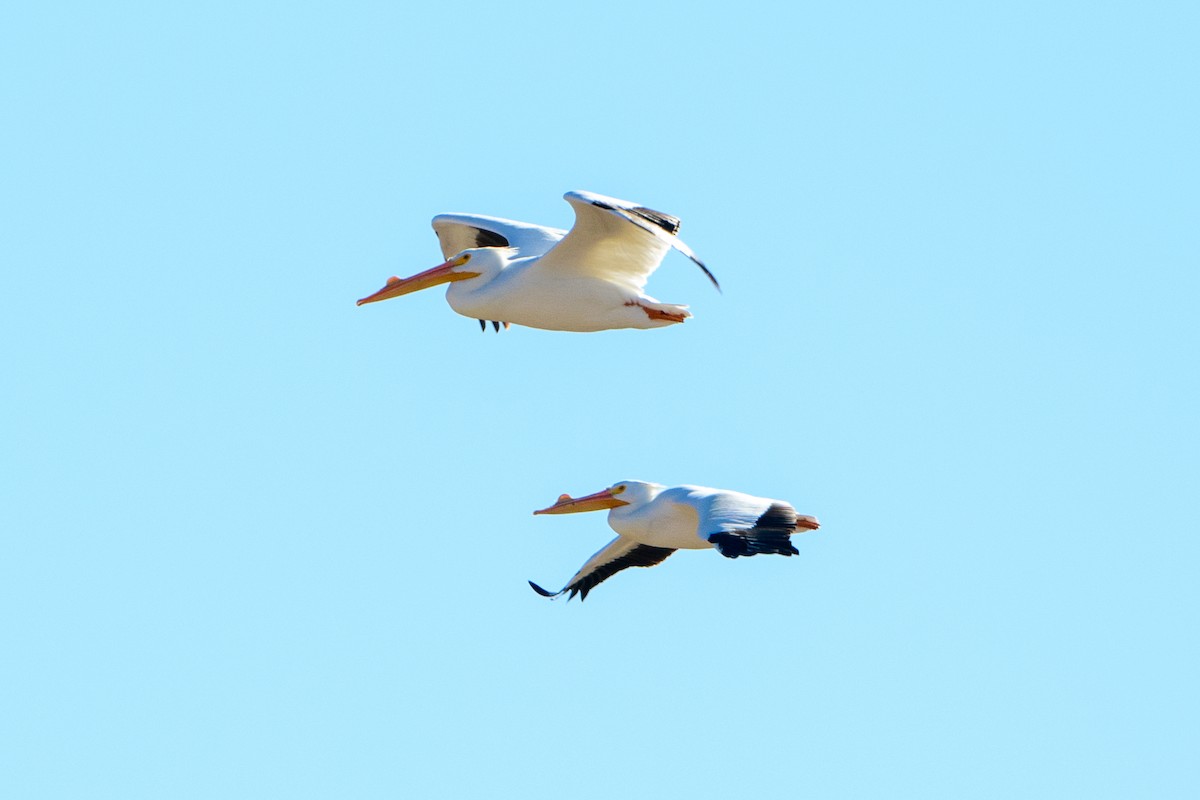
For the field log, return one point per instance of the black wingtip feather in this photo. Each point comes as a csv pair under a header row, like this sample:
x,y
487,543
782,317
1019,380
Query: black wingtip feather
x,y
711,277
484,238
542,591
777,516
665,221
771,534
730,545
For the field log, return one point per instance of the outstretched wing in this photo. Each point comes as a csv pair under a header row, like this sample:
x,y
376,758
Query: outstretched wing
x,y
617,241
770,533
617,555
738,524
458,232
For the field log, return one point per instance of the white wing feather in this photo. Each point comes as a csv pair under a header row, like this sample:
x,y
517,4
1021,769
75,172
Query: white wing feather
x,y
619,554
618,547
720,509
613,240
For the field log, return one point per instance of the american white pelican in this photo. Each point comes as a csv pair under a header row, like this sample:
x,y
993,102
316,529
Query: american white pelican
x,y
653,521
590,279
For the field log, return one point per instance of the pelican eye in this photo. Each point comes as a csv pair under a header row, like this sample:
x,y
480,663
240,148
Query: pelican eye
x,y
618,489
464,258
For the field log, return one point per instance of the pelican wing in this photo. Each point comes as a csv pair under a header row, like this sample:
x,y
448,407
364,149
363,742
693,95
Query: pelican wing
x,y
740,524
619,554
458,232
617,241
770,533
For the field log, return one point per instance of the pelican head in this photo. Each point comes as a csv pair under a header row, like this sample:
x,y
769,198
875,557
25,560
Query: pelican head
x,y
621,493
478,264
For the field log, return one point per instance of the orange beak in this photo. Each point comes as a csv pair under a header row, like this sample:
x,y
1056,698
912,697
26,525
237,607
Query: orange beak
x,y
442,273
593,502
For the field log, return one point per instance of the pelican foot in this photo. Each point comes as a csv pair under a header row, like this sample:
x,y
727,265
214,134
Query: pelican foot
x,y
660,314
657,313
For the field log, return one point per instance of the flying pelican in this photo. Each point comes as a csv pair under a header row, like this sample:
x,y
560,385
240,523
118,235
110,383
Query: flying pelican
x,y
589,279
653,521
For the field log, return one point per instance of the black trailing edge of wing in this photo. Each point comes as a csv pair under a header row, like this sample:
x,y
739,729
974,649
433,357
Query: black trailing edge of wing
x,y
643,555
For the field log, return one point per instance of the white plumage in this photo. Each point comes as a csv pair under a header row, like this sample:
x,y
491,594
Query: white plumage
x,y
588,279
653,521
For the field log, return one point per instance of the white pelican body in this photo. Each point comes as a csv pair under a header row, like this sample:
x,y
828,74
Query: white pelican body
x,y
558,302
590,279
653,521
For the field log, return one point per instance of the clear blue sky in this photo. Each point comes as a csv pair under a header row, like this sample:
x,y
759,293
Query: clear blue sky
x,y
258,542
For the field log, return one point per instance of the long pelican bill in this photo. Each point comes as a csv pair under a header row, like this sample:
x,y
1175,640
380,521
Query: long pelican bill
x,y
442,273
593,502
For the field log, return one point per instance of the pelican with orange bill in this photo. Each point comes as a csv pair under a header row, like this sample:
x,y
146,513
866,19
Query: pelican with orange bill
x,y
590,278
653,521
